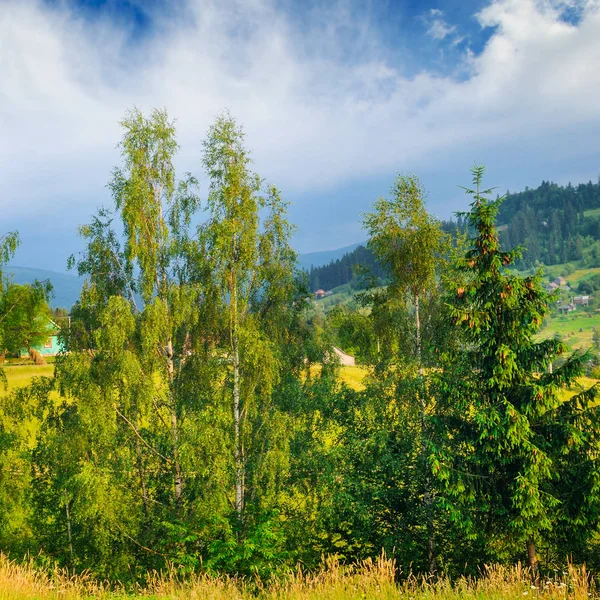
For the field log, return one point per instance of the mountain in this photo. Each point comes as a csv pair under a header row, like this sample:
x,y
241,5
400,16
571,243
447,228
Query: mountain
x,y
342,270
66,287
553,224
318,259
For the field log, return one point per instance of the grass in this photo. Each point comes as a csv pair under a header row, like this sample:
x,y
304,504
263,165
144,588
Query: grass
x,y
592,212
371,580
580,275
21,375
353,377
569,326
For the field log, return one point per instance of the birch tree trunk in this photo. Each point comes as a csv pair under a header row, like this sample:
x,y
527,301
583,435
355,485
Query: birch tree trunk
x,y
427,492
237,409
177,476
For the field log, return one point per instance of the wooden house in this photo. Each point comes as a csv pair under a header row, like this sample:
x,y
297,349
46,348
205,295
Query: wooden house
x,y
565,309
581,300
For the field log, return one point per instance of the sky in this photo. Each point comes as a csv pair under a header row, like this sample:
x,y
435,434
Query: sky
x,y
336,98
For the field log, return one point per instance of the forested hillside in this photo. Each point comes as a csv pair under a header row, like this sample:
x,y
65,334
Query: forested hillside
x,y
555,224
343,270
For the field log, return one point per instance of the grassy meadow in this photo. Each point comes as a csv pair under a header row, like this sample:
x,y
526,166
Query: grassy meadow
x,y
371,580
575,328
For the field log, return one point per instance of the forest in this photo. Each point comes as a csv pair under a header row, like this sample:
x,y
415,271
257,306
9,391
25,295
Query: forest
x,y
196,421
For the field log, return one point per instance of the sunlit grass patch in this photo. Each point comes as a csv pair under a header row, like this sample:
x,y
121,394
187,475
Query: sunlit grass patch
x,y
353,377
21,375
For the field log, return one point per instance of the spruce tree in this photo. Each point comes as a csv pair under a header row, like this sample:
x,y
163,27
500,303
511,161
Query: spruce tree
x,y
512,440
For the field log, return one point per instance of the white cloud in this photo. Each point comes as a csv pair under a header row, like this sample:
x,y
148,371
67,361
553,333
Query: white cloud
x,y
437,27
322,104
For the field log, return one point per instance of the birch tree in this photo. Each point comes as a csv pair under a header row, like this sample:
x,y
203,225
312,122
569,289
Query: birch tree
x,y
127,340
251,265
407,241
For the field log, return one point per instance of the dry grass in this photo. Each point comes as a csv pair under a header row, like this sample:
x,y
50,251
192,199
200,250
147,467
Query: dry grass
x,y
372,580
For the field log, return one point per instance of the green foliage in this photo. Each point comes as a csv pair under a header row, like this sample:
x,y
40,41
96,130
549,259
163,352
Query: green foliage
x,y
197,421
404,237
24,309
554,224
25,316
510,439
9,243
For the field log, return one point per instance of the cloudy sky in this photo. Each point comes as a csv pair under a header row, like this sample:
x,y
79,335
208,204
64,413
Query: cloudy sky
x,y
336,97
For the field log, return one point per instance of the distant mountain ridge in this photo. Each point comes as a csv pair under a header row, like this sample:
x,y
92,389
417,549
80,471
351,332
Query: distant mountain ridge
x,y
318,259
66,287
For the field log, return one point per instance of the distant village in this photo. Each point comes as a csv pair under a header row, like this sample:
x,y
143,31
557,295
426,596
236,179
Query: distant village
x,y
560,283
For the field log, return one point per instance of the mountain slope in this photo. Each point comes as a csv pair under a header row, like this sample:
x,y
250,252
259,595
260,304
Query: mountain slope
x,y
66,287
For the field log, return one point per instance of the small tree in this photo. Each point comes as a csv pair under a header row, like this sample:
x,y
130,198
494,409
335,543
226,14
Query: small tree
x,y
23,308
407,241
25,316
9,242
511,440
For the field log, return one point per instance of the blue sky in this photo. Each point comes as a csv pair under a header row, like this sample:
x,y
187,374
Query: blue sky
x,y
335,97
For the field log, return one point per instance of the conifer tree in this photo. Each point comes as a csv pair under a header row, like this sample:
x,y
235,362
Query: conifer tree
x,y
511,437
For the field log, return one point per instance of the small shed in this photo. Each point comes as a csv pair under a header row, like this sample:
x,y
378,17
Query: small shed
x,y
319,294
52,345
345,359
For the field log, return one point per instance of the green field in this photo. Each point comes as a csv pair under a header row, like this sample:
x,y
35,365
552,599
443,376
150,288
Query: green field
x,y
576,328
592,212
21,375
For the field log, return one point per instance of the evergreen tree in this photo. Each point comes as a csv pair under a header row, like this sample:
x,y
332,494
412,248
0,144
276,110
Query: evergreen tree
x,y
510,437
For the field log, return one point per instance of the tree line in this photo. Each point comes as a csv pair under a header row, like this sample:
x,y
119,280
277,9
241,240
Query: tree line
x,y
551,224
196,420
